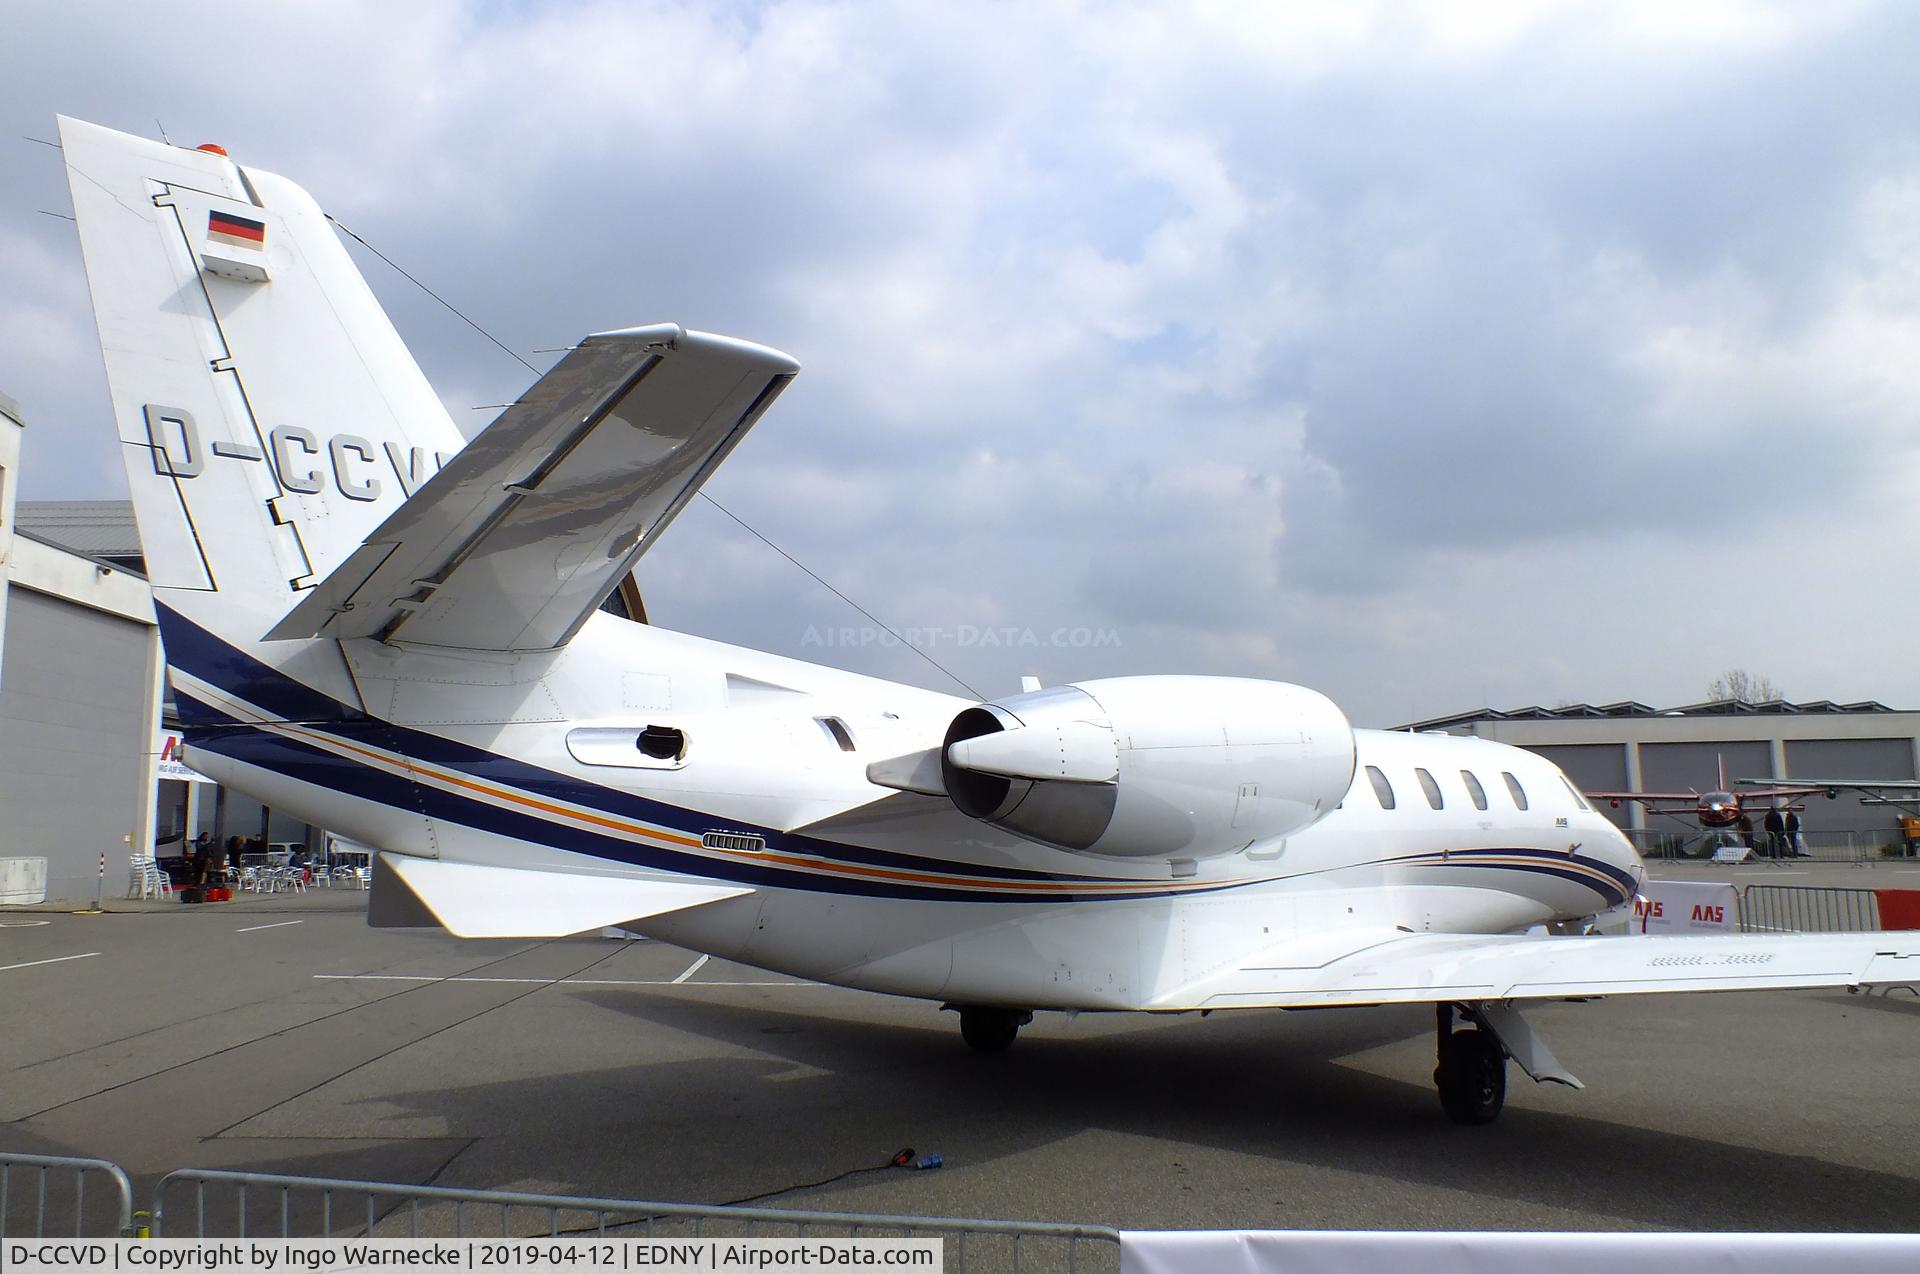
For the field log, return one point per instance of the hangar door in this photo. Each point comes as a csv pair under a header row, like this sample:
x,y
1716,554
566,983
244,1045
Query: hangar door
x,y
74,738
1851,759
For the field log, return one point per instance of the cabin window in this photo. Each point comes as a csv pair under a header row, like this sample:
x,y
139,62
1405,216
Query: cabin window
x,y
1474,790
1381,788
662,743
836,729
1514,790
1431,788
1574,792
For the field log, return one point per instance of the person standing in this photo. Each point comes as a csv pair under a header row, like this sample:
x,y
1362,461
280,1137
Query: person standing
x,y
1792,829
1776,828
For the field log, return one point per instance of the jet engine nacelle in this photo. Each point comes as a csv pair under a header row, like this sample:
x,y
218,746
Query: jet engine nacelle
x,y
1151,767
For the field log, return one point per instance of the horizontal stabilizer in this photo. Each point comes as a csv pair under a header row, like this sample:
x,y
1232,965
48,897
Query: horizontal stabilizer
x,y
471,900
521,536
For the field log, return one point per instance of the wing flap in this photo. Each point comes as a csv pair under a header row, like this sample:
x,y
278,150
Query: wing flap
x,y
471,900
524,532
1426,968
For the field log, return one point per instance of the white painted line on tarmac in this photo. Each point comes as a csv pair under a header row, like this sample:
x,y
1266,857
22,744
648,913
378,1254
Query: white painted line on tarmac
x,y
278,925
692,969
420,977
56,960
23,924
1769,871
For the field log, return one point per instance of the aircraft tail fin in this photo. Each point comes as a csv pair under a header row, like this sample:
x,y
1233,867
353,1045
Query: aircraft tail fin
x,y
269,415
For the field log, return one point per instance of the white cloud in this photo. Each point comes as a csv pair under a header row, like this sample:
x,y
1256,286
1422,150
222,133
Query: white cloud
x,y
1422,353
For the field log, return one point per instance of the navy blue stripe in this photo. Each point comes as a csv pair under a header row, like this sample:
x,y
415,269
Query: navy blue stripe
x,y
194,650
1620,876
309,764
1625,879
197,716
217,662
1614,897
213,660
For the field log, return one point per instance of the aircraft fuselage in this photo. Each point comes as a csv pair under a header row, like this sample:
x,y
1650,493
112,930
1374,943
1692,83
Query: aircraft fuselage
x,y
370,742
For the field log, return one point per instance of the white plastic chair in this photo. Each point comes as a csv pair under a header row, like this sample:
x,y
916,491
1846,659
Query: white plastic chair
x,y
145,879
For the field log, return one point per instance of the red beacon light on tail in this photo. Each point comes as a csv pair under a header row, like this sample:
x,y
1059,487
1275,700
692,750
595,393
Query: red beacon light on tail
x,y
213,148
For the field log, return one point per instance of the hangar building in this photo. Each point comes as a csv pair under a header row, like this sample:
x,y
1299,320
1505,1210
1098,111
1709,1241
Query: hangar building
x,y
1635,747
81,681
86,723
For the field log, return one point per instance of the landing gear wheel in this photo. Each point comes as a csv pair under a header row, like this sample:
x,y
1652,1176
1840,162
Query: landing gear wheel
x,y
991,1030
1472,1076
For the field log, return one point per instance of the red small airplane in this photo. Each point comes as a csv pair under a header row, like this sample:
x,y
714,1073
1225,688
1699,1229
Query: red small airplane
x,y
1716,809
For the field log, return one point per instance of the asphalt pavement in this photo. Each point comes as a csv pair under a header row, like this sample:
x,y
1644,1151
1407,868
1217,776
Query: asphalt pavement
x,y
281,1034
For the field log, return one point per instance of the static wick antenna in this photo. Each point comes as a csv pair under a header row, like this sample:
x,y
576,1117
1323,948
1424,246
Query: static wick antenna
x,y
163,130
742,522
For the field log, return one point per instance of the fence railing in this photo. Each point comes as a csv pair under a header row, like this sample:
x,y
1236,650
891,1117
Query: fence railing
x,y
1673,843
264,1205
42,1191
1808,909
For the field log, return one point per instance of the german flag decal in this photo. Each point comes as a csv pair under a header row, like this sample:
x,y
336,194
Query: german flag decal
x,y
236,231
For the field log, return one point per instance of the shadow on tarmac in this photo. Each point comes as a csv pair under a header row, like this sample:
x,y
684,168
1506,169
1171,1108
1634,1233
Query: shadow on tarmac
x,y
818,1094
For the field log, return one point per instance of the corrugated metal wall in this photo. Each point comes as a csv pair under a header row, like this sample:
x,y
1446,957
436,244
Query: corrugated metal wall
x,y
1849,758
74,738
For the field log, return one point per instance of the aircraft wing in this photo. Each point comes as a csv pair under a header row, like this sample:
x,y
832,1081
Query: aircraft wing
x,y
524,532
1452,968
1689,799
1809,786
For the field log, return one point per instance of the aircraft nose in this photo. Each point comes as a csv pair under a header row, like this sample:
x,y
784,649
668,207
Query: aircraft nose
x,y
1624,855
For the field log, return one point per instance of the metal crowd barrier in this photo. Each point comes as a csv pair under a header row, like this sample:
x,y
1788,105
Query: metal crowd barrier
x,y
264,1205
58,1190
1808,909
1854,848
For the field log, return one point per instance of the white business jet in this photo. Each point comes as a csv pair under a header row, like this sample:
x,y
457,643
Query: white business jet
x,y
384,629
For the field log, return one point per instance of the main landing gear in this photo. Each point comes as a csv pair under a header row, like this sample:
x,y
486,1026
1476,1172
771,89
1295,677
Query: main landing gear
x,y
988,1030
1472,1068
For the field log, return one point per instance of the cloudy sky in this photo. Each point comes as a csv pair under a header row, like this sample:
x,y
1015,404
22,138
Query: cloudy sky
x,y
1431,356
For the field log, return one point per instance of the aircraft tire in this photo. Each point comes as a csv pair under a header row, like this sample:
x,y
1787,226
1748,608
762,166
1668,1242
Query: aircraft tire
x,y
991,1030
1471,1076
